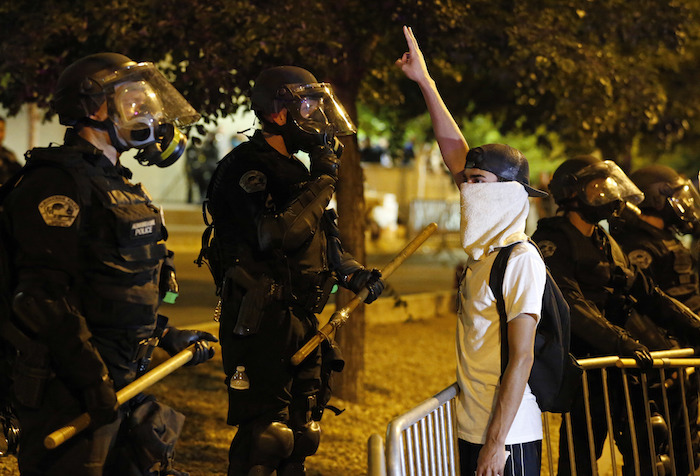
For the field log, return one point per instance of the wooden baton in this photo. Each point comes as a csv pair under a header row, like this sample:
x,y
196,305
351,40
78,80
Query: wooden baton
x,y
62,435
341,316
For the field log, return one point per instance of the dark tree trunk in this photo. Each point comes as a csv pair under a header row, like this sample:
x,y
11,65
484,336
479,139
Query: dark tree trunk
x,y
351,210
351,221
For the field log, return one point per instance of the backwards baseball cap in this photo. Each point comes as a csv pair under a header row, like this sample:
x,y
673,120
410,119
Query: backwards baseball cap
x,y
505,162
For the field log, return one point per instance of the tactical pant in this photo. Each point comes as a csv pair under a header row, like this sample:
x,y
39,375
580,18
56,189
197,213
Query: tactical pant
x,y
86,454
277,388
91,452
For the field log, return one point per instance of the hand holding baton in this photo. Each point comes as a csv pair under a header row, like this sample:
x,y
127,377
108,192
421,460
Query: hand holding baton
x,y
341,316
61,435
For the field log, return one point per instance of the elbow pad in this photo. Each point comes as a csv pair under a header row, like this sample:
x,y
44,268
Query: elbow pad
x,y
65,334
295,225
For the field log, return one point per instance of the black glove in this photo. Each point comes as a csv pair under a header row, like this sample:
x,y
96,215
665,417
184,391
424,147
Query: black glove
x,y
101,402
176,340
631,348
324,162
367,278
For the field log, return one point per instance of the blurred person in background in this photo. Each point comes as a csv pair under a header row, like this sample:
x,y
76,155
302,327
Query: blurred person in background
x,y
9,165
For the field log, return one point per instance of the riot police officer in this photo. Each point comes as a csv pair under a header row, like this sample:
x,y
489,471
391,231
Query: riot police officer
x,y
282,256
602,289
671,207
89,267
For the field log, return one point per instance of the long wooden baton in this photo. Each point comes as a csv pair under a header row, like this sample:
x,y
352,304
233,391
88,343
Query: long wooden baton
x,y
61,435
341,316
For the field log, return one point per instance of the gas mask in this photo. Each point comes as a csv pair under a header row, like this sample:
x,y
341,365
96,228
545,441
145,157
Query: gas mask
x,y
315,117
603,190
145,112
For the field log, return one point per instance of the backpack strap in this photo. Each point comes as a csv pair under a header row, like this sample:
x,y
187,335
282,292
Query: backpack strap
x,y
498,271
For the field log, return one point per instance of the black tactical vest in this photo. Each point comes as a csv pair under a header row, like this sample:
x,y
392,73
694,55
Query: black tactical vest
x,y
121,235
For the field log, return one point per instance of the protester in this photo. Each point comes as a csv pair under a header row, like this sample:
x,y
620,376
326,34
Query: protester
x,y
499,421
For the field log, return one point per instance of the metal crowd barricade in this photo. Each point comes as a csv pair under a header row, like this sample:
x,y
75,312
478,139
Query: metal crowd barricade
x,y
423,441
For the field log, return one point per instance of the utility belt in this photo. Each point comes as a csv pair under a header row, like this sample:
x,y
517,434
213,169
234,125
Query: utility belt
x,y
309,292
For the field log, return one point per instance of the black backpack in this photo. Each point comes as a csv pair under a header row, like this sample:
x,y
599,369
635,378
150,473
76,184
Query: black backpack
x,y
556,376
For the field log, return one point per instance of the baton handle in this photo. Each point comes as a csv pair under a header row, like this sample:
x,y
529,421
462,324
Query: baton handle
x,y
79,424
341,316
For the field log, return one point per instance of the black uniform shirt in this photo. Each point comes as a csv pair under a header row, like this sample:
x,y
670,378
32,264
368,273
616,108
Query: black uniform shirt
x,y
592,282
254,182
87,233
662,256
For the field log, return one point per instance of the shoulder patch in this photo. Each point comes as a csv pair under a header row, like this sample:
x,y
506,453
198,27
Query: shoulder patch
x,y
640,258
59,210
547,248
253,181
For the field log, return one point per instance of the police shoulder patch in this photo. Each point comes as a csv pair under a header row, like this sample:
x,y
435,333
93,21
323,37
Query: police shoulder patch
x,y
640,258
253,181
547,248
59,210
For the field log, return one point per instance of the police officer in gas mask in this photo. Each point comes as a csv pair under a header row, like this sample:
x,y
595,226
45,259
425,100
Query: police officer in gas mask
x,y
281,257
602,290
89,268
651,239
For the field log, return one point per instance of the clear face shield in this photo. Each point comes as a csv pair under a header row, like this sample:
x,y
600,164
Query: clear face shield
x,y
605,183
148,112
316,110
685,201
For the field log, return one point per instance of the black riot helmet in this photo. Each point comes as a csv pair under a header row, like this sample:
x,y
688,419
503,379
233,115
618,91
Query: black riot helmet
x,y
314,115
669,196
504,161
597,189
144,110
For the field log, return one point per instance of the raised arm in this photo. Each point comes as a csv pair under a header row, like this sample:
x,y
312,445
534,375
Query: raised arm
x,y
453,145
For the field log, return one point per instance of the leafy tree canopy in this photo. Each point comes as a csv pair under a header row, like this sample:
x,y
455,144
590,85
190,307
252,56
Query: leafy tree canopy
x,y
598,73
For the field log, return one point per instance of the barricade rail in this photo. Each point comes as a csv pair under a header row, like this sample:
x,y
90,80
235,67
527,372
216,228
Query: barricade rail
x,y
423,441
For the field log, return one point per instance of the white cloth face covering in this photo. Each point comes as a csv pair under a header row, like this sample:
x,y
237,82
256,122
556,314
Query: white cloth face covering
x,y
493,216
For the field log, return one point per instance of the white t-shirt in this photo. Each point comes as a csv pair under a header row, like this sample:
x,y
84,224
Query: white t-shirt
x,y
479,342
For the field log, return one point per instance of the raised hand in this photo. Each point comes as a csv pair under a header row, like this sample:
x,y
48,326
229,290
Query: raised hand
x,y
412,62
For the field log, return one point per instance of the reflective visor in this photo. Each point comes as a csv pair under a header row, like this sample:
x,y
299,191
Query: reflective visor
x,y
685,201
605,182
132,94
135,105
314,107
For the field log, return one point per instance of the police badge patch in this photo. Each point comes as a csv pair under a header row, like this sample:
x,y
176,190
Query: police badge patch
x,y
547,248
640,258
59,210
253,181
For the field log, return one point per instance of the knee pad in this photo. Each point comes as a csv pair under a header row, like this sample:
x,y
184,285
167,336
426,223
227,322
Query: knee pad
x,y
271,443
306,440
